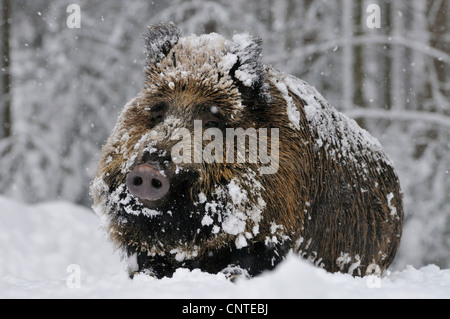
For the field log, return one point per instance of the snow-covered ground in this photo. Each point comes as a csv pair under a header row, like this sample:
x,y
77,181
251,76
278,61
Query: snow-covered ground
x,y
57,250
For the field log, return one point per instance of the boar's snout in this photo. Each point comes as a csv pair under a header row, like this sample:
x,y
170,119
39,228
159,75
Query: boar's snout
x,y
147,183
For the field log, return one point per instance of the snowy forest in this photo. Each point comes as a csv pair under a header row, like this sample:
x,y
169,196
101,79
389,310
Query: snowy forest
x,y
62,87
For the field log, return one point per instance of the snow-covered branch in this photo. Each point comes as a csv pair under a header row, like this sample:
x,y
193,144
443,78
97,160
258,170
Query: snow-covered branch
x,y
404,115
329,45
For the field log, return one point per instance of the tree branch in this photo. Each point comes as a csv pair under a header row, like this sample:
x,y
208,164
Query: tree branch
x,y
403,115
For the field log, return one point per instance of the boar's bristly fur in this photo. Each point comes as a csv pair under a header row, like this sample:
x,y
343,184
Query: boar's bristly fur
x,y
334,197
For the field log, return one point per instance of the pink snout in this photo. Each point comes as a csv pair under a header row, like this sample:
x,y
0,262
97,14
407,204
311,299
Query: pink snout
x,y
147,183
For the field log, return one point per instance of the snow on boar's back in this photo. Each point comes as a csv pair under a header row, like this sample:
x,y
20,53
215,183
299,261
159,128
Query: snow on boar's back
x,y
225,164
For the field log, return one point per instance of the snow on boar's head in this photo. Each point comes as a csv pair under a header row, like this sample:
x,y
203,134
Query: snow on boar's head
x,y
224,164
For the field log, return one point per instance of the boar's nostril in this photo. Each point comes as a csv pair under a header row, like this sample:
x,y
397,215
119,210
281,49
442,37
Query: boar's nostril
x,y
156,183
137,181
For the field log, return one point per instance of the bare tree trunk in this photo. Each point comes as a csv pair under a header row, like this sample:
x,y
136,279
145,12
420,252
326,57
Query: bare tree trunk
x,y
386,58
439,28
418,26
5,101
347,54
358,63
398,57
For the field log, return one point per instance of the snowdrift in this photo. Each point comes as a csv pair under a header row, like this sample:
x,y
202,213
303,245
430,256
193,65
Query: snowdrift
x,y
57,250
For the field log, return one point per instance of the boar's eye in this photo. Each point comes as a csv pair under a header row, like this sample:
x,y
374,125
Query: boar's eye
x,y
210,124
211,121
158,117
158,113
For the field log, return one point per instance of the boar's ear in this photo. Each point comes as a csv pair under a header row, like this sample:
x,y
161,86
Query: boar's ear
x,y
159,40
249,69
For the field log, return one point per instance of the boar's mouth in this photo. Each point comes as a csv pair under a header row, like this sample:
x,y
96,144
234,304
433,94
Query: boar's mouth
x,y
176,217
